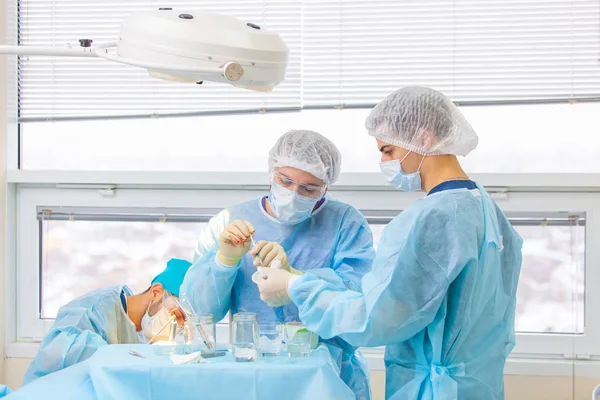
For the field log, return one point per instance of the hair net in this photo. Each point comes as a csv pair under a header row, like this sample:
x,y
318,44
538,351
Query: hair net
x,y
407,116
309,152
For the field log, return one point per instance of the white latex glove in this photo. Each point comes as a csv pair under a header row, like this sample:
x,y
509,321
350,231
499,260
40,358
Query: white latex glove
x,y
234,242
272,255
273,286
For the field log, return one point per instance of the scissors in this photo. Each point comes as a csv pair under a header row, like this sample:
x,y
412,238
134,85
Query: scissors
x,y
135,353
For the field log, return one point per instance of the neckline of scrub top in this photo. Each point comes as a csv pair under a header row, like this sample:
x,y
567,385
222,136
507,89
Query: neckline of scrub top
x,y
124,301
451,185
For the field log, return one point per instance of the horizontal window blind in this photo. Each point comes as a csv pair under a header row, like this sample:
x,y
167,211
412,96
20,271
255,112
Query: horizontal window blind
x,y
346,53
357,51
63,87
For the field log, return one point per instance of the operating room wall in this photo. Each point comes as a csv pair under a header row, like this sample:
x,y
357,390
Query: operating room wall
x,y
2,192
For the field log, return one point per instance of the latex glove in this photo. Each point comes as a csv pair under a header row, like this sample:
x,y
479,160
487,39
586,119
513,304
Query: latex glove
x,y
273,286
234,242
272,255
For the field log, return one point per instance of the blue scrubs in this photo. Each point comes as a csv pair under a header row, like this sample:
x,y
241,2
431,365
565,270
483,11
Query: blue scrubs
x,y
81,327
335,243
441,296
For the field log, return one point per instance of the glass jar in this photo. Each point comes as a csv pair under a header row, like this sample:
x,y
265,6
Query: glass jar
x,y
245,337
200,334
298,339
231,318
271,339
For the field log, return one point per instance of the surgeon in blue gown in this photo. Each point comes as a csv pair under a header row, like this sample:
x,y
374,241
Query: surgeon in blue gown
x,y
442,291
319,234
112,315
4,391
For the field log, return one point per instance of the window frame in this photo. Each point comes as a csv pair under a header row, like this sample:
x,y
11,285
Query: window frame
x,y
28,325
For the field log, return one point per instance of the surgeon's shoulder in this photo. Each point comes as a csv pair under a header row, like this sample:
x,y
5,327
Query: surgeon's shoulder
x,y
448,211
96,298
244,206
246,210
344,211
233,212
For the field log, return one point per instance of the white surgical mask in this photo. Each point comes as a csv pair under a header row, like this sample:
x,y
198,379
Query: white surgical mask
x,y
288,206
151,325
392,171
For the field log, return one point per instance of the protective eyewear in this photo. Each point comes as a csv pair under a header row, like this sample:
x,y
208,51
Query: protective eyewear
x,y
303,189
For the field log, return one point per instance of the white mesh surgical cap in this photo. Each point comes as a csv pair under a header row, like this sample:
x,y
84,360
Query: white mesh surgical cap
x,y
422,120
309,152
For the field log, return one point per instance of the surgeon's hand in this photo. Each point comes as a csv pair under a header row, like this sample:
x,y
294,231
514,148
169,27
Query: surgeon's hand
x,y
273,286
173,307
180,316
234,242
272,255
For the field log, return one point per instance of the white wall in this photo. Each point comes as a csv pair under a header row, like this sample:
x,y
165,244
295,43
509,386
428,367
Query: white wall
x,y
2,192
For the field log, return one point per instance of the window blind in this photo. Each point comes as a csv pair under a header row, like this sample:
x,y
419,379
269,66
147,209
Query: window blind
x,y
343,53
356,51
65,88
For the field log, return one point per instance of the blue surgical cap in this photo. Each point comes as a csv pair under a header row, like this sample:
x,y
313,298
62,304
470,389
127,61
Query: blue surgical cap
x,y
172,277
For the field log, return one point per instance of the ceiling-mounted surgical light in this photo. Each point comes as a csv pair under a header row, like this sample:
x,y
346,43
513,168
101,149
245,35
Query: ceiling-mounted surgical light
x,y
190,46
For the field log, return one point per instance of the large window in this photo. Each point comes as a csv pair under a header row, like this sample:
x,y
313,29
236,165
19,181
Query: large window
x,y
551,293
80,253
105,243
512,139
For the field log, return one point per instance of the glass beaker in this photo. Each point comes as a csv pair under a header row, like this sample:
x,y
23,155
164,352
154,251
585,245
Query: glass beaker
x,y
170,346
231,318
245,337
270,341
200,334
297,339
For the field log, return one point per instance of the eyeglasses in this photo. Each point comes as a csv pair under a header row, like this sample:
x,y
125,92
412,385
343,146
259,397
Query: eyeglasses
x,y
303,189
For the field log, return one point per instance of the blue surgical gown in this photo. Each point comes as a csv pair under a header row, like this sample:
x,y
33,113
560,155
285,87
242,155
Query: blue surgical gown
x,y
335,244
4,391
441,296
80,328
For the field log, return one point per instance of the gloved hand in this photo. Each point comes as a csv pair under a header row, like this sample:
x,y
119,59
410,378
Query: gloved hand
x,y
272,255
273,286
234,242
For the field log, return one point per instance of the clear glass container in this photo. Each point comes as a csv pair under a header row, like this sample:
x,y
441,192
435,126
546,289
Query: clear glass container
x,y
271,339
298,339
231,324
200,333
169,346
245,337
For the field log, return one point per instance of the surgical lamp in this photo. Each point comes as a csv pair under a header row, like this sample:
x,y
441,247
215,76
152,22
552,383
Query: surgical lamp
x,y
191,46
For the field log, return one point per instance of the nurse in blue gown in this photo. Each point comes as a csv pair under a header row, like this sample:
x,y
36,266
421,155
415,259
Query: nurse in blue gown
x,y
442,291
319,234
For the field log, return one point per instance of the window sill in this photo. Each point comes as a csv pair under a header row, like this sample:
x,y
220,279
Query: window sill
x,y
259,180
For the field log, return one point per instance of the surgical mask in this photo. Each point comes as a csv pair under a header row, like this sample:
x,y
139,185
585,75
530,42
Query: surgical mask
x,y
151,325
289,207
392,171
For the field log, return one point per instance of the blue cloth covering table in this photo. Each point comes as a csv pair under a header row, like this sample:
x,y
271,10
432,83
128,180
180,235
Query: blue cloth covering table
x,y
112,373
